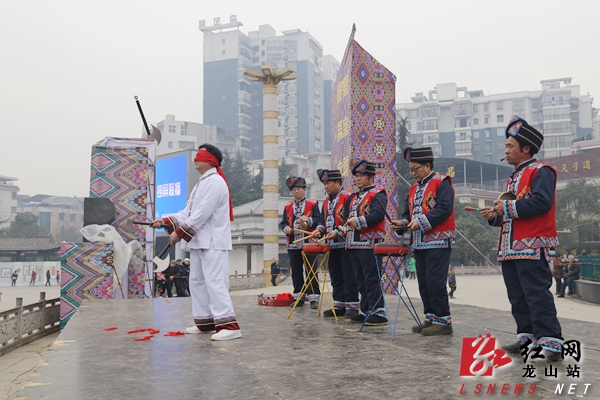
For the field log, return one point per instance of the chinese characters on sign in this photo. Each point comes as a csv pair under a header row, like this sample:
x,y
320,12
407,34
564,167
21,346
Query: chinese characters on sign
x,y
171,189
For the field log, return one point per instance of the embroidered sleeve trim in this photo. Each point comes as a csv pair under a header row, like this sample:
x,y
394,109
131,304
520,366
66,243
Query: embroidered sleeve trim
x,y
171,223
363,222
511,206
288,230
185,232
423,223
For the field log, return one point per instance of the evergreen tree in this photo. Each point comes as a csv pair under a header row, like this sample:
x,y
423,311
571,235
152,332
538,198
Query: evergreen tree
x,y
401,164
24,225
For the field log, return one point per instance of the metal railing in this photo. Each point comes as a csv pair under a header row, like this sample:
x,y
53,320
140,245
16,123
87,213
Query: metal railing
x,y
25,324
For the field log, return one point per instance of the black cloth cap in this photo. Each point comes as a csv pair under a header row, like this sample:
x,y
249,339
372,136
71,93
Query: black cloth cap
x,y
421,155
329,175
359,165
295,181
525,133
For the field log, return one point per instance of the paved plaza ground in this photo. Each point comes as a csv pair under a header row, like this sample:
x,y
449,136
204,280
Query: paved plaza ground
x,y
305,356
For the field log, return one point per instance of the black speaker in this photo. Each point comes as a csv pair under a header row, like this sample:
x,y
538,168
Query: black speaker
x,y
99,211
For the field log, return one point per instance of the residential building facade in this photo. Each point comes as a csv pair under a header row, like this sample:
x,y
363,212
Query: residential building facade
x,y
8,200
184,135
457,122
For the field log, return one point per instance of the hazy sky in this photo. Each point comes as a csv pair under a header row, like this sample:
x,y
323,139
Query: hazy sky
x,y
70,68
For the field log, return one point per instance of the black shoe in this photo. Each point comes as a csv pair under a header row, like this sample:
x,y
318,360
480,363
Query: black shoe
x,y
358,318
300,303
561,295
514,348
313,305
376,320
351,313
338,313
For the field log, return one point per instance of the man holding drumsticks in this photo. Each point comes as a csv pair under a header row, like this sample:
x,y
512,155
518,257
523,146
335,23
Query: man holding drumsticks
x,y
527,242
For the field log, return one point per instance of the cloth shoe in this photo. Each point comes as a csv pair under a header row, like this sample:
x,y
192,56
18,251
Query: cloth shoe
x,y
313,305
436,329
300,304
374,320
351,313
329,313
227,334
417,328
194,329
358,318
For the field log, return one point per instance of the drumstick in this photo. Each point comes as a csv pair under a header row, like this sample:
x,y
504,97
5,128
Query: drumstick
x,y
384,210
323,238
304,238
469,208
301,231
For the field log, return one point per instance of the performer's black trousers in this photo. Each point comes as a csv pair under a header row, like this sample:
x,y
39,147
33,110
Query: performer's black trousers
x,y
367,278
432,273
343,279
297,266
528,285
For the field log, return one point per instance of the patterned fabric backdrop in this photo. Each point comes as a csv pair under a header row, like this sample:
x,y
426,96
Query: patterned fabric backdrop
x,y
363,125
123,171
86,273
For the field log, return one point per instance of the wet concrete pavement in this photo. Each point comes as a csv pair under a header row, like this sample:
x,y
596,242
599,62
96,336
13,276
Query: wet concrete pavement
x,y
306,356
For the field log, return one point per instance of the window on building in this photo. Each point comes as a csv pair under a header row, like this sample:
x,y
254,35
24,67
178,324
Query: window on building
x,y
487,134
14,195
187,145
462,122
476,147
499,105
500,145
13,210
172,128
170,145
61,216
476,134
486,120
222,51
72,217
183,130
475,121
499,131
486,107
475,108
430,124
518,105
223,41
488,146
489,203
499,118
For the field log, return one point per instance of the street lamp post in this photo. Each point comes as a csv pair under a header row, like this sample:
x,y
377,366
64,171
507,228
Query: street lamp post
x,y
270,78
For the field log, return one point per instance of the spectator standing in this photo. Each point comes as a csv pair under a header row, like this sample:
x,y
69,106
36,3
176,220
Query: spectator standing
x,y
558,274
275,271
452,282
14,278
33,278
48,278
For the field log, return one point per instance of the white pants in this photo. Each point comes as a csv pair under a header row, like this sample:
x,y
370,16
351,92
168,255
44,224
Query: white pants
x,y
209,287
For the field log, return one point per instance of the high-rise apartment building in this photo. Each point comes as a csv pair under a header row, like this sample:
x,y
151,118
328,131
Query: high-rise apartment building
x,y
234,104
457,122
